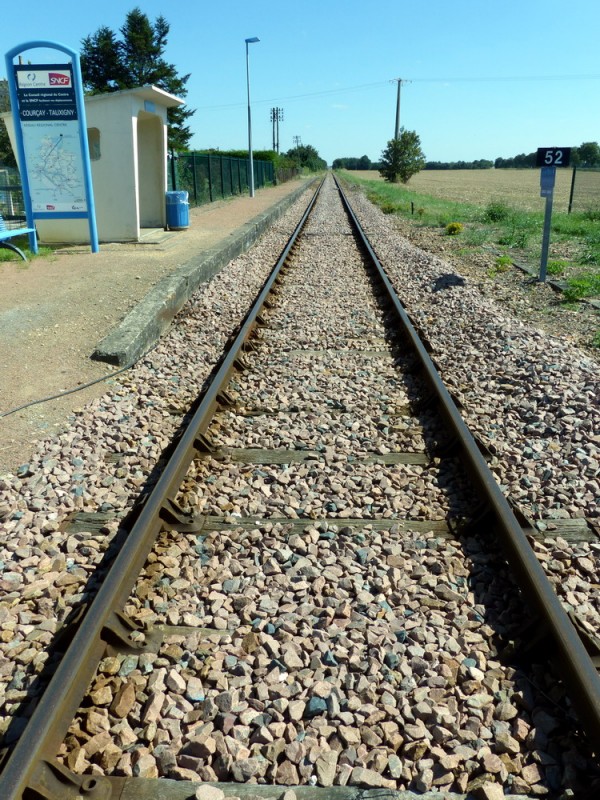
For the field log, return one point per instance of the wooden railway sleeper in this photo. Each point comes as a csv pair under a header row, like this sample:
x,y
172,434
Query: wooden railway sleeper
x,y
482,518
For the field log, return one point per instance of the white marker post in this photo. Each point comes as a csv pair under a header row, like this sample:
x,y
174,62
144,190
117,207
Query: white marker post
x,y
549,158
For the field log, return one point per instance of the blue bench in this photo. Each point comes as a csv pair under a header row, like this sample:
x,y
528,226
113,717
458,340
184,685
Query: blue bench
x,y
7,233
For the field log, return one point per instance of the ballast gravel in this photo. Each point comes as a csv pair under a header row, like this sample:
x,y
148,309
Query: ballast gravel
x,y
99,466
216,708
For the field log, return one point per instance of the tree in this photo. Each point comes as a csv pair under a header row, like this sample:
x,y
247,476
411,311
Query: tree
x,y
402,158
587,154
305,156
110,63
102,67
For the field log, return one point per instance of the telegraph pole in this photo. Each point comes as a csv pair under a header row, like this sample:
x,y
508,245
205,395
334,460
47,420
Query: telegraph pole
x,y
276,118
399,81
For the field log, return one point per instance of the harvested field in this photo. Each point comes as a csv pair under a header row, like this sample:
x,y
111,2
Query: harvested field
x,y
517,187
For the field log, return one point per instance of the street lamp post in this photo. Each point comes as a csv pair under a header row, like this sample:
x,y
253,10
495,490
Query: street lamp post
x,y
252,40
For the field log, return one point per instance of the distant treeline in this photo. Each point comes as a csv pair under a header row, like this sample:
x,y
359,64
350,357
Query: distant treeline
x,y
586,155
365,163
481,163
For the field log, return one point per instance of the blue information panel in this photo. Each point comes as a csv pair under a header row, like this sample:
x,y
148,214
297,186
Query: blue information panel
x,y
51,137
547,181
50,129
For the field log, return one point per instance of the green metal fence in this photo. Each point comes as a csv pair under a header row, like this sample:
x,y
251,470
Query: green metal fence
x,y
205,177
585,189
11,195
212,177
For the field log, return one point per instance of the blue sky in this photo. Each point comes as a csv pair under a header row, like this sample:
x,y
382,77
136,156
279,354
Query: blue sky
x,y
486,79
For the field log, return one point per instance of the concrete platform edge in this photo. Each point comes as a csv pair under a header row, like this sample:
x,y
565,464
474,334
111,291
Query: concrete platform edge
x,y
141,329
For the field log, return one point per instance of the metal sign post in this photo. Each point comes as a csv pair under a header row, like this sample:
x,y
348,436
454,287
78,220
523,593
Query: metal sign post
x,y
51,138
549,158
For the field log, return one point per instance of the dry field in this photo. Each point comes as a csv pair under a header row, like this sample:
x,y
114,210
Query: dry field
x,y
519,188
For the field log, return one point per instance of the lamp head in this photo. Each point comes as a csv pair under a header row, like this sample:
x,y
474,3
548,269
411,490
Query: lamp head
x,y
252,40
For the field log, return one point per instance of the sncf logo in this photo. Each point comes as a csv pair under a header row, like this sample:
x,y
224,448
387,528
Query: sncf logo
x,y
59,79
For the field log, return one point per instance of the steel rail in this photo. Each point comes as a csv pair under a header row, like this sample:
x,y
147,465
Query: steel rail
x,y
55,711
578,671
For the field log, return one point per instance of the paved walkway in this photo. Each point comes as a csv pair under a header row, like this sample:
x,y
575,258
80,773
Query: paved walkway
x,y
56,309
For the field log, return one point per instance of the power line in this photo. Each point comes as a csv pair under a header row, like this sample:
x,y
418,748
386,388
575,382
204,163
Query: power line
x,y
359,87
508,79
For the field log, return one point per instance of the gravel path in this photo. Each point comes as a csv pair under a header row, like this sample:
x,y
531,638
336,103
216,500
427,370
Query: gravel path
x,y
343,655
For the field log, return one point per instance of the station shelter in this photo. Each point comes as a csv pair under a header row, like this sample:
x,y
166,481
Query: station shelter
x,y
127,137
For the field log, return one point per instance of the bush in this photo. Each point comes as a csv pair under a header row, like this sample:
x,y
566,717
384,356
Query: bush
x,y
556,267
496,211
454,228
583,286
517,229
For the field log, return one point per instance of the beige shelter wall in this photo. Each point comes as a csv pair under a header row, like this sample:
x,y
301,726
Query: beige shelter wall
x,y
113,173
151,148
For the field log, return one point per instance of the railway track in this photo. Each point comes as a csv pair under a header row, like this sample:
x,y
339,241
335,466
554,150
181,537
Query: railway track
x,y
313,594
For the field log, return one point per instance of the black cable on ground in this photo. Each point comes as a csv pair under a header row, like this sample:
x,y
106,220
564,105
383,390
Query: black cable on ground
x,y
63,394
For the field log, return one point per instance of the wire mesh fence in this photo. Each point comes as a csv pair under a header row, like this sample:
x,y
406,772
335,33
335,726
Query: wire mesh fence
x,y
12,207
585,190
209,177
206,177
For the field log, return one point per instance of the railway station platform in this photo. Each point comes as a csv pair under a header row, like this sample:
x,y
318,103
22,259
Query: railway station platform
x,y
60,308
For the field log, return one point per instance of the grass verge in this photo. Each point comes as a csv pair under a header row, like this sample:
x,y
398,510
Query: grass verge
x,y
574,242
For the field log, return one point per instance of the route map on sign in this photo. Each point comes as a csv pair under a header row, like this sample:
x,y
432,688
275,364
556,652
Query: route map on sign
x,y
55,169
51,138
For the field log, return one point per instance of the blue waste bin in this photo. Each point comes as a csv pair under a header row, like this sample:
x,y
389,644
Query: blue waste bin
x,y
178,210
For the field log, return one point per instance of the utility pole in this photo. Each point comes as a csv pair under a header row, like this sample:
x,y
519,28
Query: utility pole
x,y
399,81
276,118
297,141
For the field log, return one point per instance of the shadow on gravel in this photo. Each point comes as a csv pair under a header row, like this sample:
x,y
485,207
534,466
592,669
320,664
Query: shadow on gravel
x,y
447,280
552,731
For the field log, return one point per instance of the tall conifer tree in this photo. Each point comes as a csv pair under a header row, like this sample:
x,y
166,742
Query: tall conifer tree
x,y
110,63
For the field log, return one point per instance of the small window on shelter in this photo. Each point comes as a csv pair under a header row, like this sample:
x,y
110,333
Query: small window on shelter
x,y
93,135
